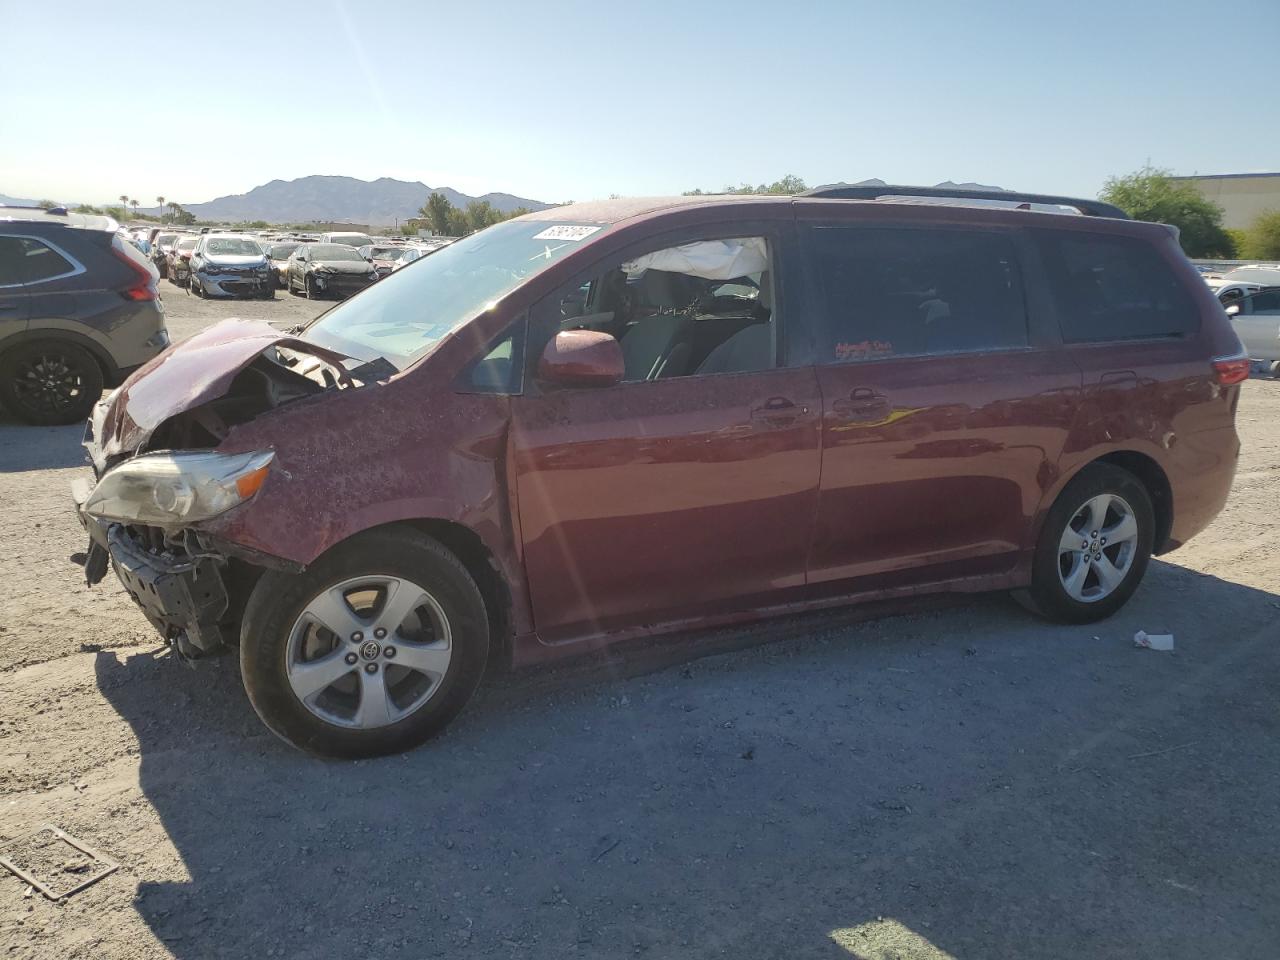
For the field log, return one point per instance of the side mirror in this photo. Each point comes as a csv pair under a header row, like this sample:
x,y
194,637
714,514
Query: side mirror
x,y
581,358
1233,310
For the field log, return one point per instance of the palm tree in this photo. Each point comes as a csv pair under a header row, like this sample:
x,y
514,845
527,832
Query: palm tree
x,y
160,205
134,204
174,210
124,200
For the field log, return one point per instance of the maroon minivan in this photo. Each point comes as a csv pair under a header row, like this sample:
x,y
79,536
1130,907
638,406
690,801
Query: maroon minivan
x,y
616,419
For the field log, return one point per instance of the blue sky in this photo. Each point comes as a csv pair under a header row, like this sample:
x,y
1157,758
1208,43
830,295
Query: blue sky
x,y
573,100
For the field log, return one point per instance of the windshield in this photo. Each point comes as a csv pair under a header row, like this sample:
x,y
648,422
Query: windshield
x,y
407,313
351,239
232,247
185,245
165,239
334,251
281,251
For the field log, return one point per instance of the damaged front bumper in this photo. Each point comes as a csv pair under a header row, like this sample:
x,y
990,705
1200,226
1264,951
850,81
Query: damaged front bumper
x,y
183,594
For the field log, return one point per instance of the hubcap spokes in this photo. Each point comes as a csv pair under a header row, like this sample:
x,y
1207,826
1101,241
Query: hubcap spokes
x,y
47,383
369,651
1097,548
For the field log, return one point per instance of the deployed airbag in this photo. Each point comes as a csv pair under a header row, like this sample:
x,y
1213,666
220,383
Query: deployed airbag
x,y
708,259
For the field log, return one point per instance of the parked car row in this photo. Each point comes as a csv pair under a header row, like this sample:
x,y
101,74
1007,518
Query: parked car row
x,y
1251,296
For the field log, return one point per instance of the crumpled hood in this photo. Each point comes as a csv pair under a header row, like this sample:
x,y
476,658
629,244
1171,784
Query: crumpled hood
x,y
185,376
227,260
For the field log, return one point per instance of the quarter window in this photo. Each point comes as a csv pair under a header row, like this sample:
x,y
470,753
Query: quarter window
x,y
43,263
11,254
898,292
1114,288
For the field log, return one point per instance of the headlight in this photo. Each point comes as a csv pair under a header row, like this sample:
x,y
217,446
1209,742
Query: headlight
x,y
174,489
323,269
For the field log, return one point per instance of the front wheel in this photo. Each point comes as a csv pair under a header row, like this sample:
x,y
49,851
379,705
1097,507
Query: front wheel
x,y
50,382
1094,547
374,649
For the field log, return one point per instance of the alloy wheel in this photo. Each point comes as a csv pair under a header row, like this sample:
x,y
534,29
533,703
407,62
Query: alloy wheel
x,y
367,652
1097,548
48,383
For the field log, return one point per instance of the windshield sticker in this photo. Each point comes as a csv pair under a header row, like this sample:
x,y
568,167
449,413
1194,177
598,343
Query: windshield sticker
x,y
566,232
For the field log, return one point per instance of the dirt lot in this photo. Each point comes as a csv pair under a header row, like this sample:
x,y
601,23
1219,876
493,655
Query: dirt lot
x,y
958,780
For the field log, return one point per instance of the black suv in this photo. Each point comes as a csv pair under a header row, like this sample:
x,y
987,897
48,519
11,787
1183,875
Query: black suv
x,y
78,311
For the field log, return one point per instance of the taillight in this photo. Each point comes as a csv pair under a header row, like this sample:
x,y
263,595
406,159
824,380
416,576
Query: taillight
x,y
144,285
1228,370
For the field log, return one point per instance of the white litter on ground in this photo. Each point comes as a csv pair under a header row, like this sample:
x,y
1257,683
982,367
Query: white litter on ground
x,y
1153,641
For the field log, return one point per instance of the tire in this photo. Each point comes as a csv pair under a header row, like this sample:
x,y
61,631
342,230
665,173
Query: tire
x,y
50,382
1068,586
274,634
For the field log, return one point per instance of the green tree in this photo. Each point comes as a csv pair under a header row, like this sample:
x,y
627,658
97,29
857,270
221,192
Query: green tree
x,y
457,225
116,213
1262,238
437,211
160,205
86,208
480,214
788,185
46,204
1152,194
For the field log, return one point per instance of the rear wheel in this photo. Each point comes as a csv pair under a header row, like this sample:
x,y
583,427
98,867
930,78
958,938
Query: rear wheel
x,y
373,649
50,382
1094,547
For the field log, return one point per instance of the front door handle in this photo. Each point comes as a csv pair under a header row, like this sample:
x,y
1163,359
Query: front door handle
x,y
862,404
778,411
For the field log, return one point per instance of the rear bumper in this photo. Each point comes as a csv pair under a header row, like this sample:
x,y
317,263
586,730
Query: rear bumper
x,y
1201,472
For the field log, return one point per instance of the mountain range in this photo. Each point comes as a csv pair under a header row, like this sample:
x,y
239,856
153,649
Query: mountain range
x,y
329,200
337,199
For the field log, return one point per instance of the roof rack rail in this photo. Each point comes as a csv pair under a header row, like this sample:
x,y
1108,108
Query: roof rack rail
x,y
840,191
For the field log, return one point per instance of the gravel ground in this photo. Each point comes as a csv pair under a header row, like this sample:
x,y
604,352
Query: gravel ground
x,y
956,780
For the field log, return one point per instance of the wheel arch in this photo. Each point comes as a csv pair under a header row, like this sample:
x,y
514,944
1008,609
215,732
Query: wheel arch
x,y
1156,481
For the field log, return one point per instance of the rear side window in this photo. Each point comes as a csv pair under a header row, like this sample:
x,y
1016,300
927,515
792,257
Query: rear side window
x,y
10,261
1114,288
895,292
24,260
1268,302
